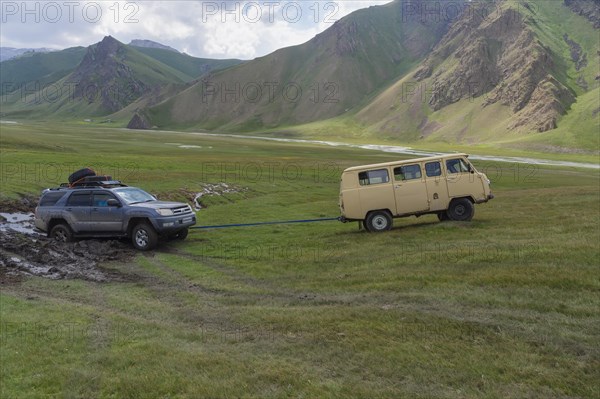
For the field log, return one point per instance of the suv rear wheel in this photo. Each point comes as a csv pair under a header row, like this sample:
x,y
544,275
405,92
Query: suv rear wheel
x,y
62,233
144,237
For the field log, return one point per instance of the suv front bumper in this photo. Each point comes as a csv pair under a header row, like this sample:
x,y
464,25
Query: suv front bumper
x,y
173,224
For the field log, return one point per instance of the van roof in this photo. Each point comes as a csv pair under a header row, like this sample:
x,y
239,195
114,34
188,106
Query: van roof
x,y
405,161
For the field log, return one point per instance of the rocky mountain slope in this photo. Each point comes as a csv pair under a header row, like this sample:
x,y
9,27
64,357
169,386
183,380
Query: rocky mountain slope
x,y
410,70
506,69
323,78
99,80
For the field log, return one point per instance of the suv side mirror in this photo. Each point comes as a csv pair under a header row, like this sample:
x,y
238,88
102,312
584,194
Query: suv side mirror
x,y
113,202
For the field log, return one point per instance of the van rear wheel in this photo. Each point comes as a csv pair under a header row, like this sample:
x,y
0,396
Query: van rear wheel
x,y
378,221
461,210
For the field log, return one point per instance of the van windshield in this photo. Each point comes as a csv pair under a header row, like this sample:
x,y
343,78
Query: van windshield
x,y
133,195
458,165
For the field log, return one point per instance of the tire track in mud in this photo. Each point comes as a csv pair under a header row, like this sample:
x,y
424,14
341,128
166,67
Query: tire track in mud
x,y
205,312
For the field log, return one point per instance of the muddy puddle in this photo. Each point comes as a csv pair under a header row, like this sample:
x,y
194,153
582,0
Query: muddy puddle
x,y
26,252
36,255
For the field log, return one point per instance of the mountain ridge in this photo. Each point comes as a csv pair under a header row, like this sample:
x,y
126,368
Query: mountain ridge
x,y
320,79
393,72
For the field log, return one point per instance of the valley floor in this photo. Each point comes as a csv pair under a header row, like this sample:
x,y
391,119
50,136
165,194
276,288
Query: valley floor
x,y
505,306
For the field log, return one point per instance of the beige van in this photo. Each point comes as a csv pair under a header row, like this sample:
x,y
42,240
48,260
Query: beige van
x,y
446,185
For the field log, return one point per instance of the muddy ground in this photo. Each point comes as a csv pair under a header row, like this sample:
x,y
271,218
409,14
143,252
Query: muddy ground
x,y
25,252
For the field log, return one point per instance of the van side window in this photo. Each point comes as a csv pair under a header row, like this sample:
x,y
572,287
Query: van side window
x,y
373,177
408,172
433,169
457,166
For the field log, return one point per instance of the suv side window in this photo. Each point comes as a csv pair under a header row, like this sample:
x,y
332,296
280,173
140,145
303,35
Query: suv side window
x,y
407,172
51,198
433,169
457,166
101,199
80,199
379,176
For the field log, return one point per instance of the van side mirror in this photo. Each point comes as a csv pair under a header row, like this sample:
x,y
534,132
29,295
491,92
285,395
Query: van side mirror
x,y
113,202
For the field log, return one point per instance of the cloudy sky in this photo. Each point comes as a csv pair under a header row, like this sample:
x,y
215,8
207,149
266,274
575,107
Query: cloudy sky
x,y
211,29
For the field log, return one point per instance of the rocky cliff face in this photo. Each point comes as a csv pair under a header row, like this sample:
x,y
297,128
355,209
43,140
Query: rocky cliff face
x,y
103,77
589,9
497,56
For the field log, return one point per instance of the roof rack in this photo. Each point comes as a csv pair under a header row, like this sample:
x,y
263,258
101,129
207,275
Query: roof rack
x,y
93,184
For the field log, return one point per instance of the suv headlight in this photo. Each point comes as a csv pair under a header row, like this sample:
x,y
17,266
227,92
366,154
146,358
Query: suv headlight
x,y
165,212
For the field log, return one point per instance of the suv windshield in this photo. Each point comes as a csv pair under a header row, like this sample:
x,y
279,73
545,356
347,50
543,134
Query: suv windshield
x,y
133,195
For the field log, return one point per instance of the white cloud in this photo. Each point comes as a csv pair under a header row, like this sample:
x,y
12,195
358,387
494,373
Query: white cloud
x,y
215,29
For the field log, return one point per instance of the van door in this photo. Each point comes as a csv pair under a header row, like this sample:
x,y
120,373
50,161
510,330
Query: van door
x,y
437,189
376,191
410,190
459,178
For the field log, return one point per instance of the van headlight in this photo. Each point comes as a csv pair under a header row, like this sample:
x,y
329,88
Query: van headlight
x,y
165,212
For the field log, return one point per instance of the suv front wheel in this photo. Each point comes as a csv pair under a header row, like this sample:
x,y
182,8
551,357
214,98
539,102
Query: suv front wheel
x,y
181,234
144,237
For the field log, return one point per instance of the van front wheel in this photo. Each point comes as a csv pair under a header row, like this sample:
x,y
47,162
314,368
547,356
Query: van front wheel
x,y
378,221
461,210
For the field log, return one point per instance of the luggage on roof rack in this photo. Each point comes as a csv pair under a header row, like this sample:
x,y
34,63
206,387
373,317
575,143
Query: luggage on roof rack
x,y
80,174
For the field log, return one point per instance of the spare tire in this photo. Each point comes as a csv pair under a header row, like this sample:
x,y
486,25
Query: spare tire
x,y
80,174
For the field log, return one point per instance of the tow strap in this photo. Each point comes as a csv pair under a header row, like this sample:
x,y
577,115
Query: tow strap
x,y
225,226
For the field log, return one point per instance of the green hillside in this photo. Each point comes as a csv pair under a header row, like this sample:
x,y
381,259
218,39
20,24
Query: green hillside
x,y
536,70
325,77
191,66
43,68
110,76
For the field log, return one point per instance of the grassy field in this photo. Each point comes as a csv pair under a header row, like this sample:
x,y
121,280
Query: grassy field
x,y
506,306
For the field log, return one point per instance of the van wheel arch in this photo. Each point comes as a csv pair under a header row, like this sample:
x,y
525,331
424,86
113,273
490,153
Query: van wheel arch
x,y
378,221
461,209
